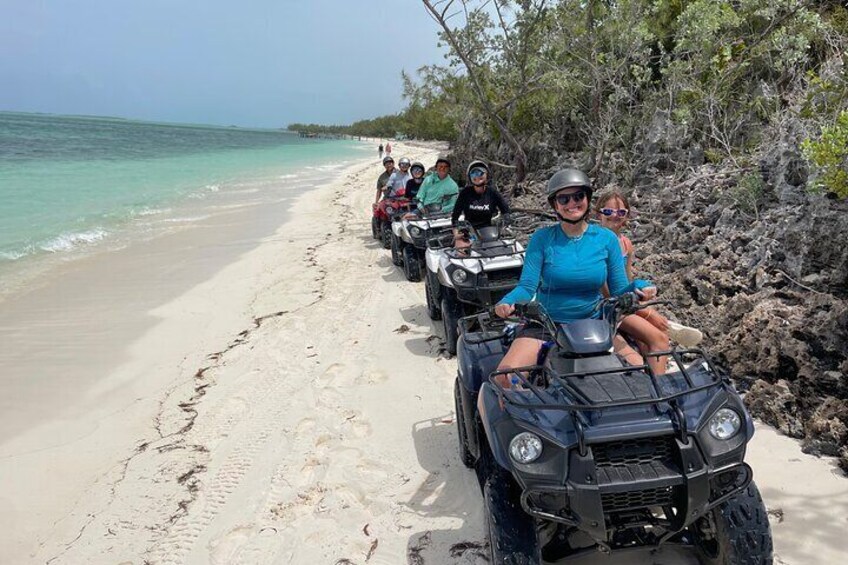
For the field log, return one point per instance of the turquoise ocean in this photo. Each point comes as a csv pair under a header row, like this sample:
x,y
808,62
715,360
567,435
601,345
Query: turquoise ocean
x,y
70,183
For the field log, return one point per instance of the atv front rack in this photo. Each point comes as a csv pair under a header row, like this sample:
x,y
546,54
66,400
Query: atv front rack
x,y
548,400
499,249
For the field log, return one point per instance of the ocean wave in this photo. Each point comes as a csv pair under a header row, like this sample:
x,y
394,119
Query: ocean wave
x,y
152,211
68,241
13,255
213,187
181,219
289,176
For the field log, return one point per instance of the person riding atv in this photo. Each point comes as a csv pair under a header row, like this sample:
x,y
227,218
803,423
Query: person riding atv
x,y
578,452
566,266
438,188
485,261
382,181
478,202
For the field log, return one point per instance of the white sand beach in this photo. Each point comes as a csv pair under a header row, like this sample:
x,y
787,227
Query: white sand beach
x,y
273,396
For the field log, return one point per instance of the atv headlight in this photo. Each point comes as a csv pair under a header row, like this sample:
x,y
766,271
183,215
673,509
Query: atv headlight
x,y
525,447
724,424
415,231
390,210
459,276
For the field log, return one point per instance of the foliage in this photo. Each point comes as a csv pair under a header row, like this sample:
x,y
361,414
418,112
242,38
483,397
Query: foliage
x,y
651,82
748,194
829,155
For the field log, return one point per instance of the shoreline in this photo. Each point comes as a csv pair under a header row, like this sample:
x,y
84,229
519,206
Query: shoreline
x,y
313,423
90,353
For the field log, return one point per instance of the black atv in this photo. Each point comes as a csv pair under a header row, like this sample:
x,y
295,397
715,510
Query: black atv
x,y
583,453
460,282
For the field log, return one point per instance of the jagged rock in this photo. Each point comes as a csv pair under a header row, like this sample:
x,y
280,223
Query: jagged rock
x,y
827,429
776,405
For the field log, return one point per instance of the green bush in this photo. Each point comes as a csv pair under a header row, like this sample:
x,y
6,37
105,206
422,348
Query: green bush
x,y
748,194
829,156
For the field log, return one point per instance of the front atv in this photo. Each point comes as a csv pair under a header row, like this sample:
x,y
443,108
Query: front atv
x,y
466,281
581,452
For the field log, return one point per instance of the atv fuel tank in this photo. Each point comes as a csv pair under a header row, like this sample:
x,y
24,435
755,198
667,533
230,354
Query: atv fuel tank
x,y
585,337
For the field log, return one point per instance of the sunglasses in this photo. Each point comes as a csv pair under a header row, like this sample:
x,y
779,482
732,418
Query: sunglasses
x,y
404,164
564,199
417,170
620,212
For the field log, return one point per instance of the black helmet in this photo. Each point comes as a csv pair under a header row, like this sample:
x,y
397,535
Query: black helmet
x,y
476,164
418,165
568,178
388,159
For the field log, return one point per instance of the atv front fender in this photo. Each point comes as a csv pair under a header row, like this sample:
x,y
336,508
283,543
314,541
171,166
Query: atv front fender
x,y
476,361
490,413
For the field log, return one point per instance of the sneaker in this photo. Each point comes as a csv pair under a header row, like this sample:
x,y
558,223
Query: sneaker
x,y
684,335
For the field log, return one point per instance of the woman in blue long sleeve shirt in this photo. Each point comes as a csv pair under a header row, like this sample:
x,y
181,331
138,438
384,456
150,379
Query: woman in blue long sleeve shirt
x,y
566,266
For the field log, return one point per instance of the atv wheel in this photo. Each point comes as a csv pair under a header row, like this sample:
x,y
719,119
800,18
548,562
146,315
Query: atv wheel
x,y
735,533
462,432
375,227
434,309
451,313
397,258
411,265
512,532
386,235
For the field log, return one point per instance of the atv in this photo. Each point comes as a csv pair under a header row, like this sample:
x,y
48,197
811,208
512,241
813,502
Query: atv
x,y
581,452
410,238
381,222
465,281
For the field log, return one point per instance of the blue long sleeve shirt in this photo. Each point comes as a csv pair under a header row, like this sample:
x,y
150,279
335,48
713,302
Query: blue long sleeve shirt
x,y
566,275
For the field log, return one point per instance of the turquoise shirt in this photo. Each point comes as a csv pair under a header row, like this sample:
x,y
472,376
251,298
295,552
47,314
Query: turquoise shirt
x,y
566,274
433,190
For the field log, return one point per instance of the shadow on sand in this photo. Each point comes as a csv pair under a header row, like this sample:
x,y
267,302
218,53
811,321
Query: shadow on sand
x,y
449,498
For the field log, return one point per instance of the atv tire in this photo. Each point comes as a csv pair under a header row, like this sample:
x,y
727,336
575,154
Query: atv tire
x,y
739,532
434,309
411,264
451,313
386,234
465,454
375,227
397,258
512,532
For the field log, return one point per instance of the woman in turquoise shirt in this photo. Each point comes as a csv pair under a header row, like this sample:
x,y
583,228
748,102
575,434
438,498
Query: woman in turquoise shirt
x,y
566,266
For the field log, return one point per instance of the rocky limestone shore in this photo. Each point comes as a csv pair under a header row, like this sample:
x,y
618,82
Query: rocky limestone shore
x,y
756,261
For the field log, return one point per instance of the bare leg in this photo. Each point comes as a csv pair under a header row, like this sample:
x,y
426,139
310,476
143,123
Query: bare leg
x,y
524,351
630,355
654,339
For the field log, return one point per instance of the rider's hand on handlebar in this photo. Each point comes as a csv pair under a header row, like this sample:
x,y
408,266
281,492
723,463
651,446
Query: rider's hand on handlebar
x,y
647,293
504,310
374,206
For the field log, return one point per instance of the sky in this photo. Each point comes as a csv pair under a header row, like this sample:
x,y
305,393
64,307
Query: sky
x,y
255,63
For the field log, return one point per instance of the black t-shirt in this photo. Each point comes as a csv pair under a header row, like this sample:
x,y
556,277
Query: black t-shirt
x,y
412,187
479,208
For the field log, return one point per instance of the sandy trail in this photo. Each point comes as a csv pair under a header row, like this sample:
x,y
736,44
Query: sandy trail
x,y
323,433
